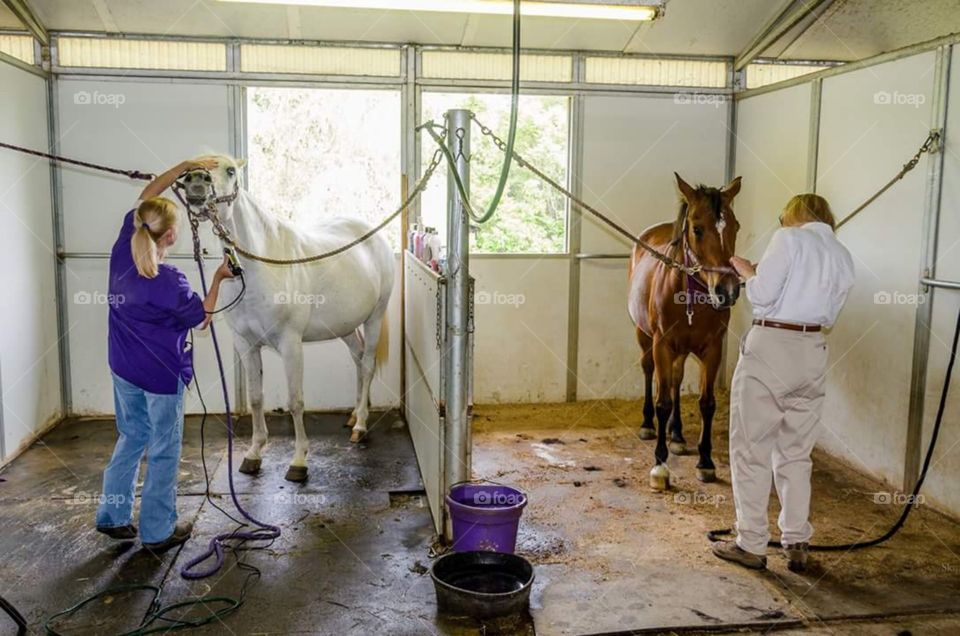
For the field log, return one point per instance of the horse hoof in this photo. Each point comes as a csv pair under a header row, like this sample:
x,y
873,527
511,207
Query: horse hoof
x,y
647,433
660,477
350,422
707,475
357,436
296,474
250,466
677,448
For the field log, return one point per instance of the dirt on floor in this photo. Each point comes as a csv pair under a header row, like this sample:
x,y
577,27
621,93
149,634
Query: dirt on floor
x,y
587,470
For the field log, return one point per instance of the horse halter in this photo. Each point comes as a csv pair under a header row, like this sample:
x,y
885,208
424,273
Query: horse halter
x,y
207,210
692,267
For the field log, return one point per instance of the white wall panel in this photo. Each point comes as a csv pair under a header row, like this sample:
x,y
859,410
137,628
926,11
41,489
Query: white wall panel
x,y
772,157
872,120
521,329
631,148
29,366
945,469
90,374
147,126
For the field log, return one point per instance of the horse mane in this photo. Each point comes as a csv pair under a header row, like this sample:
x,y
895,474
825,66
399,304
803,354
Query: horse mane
x,y
715,198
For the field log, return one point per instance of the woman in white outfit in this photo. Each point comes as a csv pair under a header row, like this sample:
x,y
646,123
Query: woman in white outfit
x,y
776,397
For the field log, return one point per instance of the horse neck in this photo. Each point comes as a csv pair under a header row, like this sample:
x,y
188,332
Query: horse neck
x,y
252,227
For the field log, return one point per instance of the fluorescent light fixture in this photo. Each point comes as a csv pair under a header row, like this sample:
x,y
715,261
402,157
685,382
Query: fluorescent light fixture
x,y
585,11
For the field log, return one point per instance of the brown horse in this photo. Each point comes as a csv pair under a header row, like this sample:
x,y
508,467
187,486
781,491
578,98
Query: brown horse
x,y
677,313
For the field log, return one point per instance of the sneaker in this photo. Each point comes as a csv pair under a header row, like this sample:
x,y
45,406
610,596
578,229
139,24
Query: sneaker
x,y
730,551
796,556
118,532
181,533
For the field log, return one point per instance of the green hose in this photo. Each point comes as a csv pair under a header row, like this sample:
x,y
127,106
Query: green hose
x,y
511,137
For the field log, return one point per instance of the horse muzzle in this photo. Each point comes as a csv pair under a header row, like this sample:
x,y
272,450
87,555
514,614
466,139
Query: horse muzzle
x,y
725,295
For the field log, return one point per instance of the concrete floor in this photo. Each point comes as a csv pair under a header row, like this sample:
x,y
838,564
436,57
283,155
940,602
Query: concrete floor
x,y
611,557
614,557
351,559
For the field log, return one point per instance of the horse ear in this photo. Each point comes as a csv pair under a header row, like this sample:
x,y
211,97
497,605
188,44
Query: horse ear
x,y
685,190
732,189
242,162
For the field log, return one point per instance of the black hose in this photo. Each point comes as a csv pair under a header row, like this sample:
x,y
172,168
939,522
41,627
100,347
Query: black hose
x,y
17,617
714,535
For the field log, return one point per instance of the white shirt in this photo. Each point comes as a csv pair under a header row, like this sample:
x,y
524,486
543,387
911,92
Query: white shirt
x,y
803,277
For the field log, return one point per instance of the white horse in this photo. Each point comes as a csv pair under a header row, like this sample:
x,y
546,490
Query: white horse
x,y
343,297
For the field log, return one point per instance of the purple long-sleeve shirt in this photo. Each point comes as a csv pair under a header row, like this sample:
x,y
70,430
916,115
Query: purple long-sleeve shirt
x,y
149,321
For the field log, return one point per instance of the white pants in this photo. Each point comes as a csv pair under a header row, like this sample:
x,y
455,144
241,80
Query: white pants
x,y
775,403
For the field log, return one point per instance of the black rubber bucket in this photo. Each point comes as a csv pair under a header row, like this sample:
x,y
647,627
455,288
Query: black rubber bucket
x,y
482,584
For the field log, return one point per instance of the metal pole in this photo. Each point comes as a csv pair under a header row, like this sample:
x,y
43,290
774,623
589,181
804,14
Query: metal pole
x,y
928,263
456,398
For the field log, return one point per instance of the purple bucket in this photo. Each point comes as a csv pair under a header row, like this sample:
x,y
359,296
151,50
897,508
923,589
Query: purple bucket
x,y
485,517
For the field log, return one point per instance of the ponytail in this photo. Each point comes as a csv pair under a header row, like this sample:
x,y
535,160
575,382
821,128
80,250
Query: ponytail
x,y
154,218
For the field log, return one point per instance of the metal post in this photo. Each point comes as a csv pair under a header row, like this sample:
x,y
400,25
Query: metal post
x,y
456,360
928,262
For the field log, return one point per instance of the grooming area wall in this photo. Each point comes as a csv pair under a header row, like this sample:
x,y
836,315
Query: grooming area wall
x,y
406,418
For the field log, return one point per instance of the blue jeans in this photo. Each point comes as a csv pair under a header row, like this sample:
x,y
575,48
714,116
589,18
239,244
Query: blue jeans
x,y
151,423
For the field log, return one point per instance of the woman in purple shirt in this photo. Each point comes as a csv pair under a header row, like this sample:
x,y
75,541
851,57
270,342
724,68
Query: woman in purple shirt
x,y
152,310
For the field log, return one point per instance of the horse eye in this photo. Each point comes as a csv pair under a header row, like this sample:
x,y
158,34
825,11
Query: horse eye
x,y
697,231
231,171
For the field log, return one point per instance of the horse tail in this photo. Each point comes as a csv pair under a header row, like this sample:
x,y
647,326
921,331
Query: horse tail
x,y
383,344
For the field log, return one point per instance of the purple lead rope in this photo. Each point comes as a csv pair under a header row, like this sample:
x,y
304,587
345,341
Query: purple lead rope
x,y
265,531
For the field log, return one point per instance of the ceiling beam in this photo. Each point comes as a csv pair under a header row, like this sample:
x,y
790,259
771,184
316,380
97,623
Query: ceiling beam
x,y
28,19
793,13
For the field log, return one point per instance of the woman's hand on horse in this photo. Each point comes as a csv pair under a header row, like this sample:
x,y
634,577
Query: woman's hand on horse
x,y
206,164
745,268
224,270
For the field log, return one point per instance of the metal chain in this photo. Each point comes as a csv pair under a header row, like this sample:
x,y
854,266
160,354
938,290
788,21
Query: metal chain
x,y
440,317
223,234
523,163
931,145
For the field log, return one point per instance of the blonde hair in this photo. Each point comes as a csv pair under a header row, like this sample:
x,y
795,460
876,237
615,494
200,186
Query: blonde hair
x,y
808,208
154,218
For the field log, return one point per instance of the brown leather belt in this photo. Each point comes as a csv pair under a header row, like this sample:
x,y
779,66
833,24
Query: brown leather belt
x,y
789,326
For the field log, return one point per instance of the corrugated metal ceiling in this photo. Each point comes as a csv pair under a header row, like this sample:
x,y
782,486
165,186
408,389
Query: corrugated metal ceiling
x,y
849,29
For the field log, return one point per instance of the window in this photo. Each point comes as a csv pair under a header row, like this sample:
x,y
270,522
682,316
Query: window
x,y
319,153
656,72
18,46
532,217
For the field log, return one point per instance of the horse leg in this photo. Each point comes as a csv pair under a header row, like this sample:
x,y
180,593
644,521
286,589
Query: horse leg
x,y
663,357
291,350
354,342
709,365
371,337
677,445
253,372
647,430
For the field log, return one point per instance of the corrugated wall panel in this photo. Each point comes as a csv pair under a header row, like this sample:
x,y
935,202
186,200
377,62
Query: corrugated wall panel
x,y
654,72
495,66
142,54
317,60
18,46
